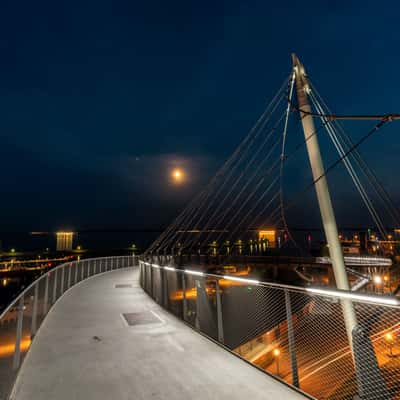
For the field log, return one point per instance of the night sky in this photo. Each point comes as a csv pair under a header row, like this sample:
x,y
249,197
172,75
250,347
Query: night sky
x,y
100,99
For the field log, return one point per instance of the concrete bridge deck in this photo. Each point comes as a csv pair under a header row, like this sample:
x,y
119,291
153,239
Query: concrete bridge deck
x,y
86,350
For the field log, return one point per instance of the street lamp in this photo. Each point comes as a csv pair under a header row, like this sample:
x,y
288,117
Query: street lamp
x,y
389,337
377,281
276,354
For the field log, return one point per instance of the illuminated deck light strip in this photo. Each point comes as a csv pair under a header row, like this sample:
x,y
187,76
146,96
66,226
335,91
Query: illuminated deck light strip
x,y
191,272
379,300
392,301
152,265
234,278
354,260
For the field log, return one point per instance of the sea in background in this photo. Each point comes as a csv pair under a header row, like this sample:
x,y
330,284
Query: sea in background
x,y
93,240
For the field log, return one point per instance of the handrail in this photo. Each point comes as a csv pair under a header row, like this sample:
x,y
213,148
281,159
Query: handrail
x,y
32,307
390,301
31,285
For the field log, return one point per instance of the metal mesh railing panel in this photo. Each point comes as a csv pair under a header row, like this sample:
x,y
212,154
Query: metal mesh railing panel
x,y
207,307
298,336
174,295
191,301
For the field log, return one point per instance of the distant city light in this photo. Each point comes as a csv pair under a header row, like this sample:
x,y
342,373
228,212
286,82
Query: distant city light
x,y
64,240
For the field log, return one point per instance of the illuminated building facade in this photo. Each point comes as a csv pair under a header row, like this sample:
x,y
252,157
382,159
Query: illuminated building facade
x,y
269,235
64,241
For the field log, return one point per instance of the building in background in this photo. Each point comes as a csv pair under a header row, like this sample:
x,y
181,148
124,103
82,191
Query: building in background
x,y
269,235
64,241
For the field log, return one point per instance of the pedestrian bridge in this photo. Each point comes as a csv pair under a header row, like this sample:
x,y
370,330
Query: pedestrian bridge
x,y
86,349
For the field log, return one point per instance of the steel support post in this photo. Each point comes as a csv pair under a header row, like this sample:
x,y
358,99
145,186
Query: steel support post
x,y
164,288
62,270
55,286
76,272
34,310
17,350
198,288
82,270
292,350
184,296
144,277
219,313
46,294
151,292
69,275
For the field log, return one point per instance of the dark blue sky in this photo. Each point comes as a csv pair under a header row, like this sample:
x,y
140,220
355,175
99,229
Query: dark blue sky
x,y
99,99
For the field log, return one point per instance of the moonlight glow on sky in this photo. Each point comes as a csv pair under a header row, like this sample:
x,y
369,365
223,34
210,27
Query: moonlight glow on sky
x,y
177,175
102,99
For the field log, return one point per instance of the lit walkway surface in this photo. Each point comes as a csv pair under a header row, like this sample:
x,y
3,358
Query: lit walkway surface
x,y
87,350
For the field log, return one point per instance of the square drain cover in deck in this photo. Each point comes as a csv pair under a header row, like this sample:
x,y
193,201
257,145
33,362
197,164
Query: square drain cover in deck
x,y
141,318
123,286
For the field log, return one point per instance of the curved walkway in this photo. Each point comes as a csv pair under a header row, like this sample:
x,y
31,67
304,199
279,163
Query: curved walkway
x,y
86,350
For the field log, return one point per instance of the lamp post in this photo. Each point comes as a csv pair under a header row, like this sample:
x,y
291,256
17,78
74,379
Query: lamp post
x,y
276,354
389,338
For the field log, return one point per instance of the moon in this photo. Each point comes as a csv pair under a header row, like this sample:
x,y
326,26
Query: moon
x,y
178,175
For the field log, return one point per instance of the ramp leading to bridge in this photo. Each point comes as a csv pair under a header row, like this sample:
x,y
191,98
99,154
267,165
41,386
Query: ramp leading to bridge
x,y
106,339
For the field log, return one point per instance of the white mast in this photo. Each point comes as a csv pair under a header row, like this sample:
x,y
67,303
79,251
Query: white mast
x,y
321,188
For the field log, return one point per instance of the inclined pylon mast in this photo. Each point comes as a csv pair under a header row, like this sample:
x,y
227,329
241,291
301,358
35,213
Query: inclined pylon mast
x,y
322,190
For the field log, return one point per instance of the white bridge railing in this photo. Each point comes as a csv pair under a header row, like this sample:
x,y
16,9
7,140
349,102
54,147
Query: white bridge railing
x,y
297,334
20,321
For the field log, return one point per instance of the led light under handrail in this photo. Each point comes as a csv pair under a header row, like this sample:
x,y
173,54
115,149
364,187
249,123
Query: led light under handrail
x,y
191,272
234,278
392,301
170,268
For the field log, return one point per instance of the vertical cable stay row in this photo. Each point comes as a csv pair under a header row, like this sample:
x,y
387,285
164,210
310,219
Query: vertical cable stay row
x,y
281,190
235,204
232,203
192,215
347,163
371,177
203,195
215,195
